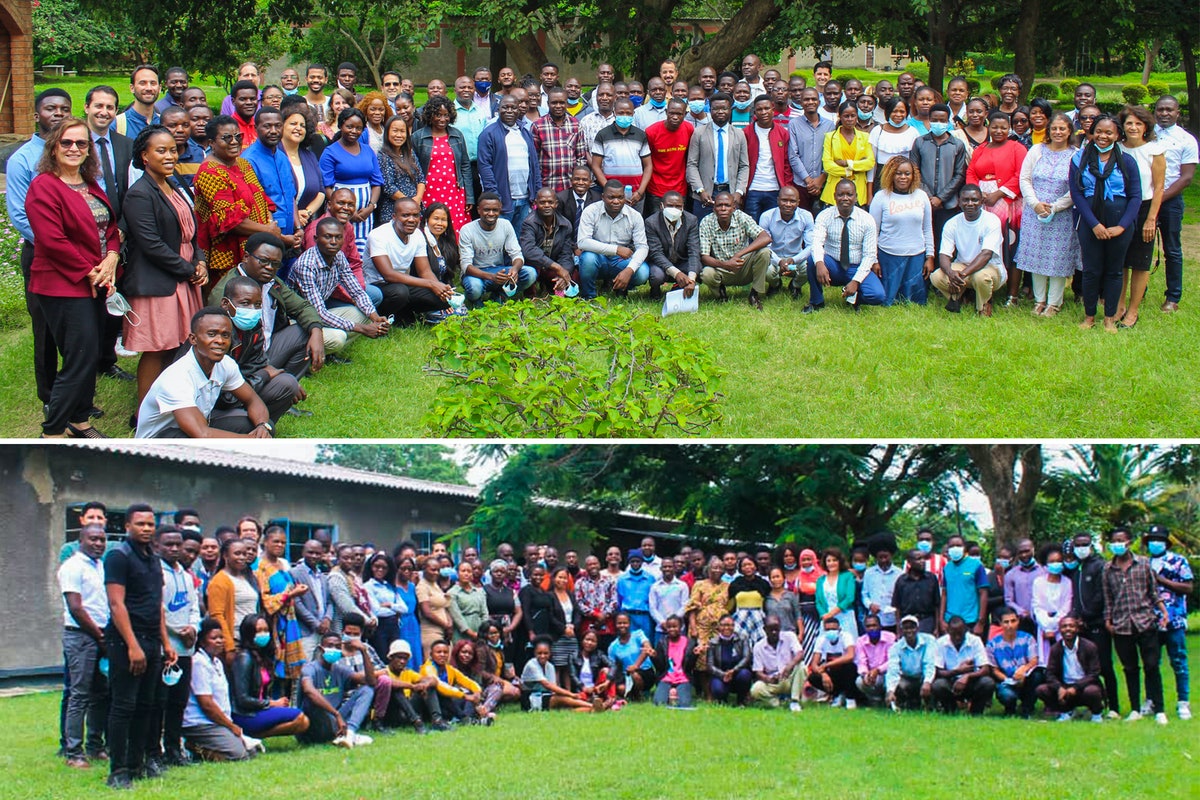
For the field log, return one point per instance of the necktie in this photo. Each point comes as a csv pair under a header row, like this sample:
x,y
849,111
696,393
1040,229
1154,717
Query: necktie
x,y
110,178
844,255
720,155
578,211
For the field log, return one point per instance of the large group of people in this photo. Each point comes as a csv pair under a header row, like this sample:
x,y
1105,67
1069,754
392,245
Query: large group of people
x,y
183,643
307,219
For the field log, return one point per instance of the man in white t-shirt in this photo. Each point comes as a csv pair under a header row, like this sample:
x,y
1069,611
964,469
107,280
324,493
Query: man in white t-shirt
x,y
398,265
85,614
778,666
969,257
831,669
180,404
1181,155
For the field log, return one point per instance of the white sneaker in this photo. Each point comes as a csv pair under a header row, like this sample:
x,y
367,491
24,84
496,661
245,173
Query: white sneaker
x,y
1134,716
837,702
1147,708
851,704
1097,718
1064,717
796,708
121,351
361,739
1184,709
1160,718
1113,715
344,741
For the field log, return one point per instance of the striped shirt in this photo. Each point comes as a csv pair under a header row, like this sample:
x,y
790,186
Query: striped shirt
x,y
827,237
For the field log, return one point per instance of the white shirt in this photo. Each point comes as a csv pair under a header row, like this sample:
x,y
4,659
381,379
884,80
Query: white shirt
x,y
831,650
1144,156
600,233
963,240
184,385
947,656
1181,149
84,576
208,677
518,163
764,166
384,241
774,660
1072,669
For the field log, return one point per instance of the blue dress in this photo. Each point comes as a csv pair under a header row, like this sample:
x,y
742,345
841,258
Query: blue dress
x,y
358,173
410,627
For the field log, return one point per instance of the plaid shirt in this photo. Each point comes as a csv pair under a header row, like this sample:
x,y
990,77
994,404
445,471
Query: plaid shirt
x,y
722,244
316,280
560,149
1131,597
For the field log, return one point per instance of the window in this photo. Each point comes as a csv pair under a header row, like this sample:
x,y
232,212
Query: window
x,y
300,532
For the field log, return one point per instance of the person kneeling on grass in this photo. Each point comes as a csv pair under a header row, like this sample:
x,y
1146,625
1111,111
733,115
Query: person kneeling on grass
x,y
910,668
336,704
208,728
539,692
734,251
778,666
242,301
1013,655
1072,675
675,658
831,669
970,254
491,255
253,663
182,401
461,697
871,653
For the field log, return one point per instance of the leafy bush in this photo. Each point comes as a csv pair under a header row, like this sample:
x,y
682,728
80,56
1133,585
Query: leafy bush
x,y
1045,90
841,79
995,81
972,87
919,69
1134,94
566,368
12,286
65,33
1156,89
1068,86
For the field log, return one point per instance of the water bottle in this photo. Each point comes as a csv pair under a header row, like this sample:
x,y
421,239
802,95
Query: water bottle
x,y
628,194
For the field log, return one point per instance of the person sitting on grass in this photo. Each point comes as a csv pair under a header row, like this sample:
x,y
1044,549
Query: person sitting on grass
x,y
253,664
1013,656
630,652
734,251
462,657
729,657
591,669
460,696
208,728
336,703
182,401
675,659
963,672
910,669
969,257
1072,675
414,696
778,666
277,388
611,238
356,653
491,257
539,692
831,669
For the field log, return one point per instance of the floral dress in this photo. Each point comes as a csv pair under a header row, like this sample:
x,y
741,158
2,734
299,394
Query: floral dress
x,y
710,603
273,581
441,184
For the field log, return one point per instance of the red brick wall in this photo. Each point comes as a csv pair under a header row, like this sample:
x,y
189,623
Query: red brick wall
x,y
16,66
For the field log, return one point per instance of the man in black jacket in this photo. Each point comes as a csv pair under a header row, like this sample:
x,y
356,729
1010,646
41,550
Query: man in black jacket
x,y
548,242
673,236
1087,585
279,390
572,202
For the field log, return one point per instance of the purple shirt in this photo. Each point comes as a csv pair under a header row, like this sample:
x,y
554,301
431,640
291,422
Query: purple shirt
x,y
1018,588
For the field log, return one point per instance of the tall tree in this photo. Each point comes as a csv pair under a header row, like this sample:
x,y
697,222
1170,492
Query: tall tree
x,y
1010,475
431,462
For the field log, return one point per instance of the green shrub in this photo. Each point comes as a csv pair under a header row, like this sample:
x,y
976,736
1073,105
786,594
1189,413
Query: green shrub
x,y
1134,94
1156,89
972,87
1047,91
12,285
995,81
841,79
1068,86
918,69
566,368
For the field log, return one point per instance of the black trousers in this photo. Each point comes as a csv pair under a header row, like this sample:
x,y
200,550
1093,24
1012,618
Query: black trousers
x,y
1146,645
72,323
45,353
1099,636
133,706
978,694
108,328
1104,261
400,299
288,351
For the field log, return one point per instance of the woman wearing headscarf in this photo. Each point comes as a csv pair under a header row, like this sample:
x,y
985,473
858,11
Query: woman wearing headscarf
x,y
806,591
1052,598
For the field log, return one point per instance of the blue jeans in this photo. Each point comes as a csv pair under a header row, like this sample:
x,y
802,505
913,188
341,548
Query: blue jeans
x,y
1175,641
1170,225
758,202
870,292
593,266
474,288
520,211
1025,694
902,278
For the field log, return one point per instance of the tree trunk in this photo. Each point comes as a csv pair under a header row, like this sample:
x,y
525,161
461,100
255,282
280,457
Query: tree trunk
x,y
498,57
939,38
526,54
655,38
1025,44
731,41
1183,35
1011,502
1151,51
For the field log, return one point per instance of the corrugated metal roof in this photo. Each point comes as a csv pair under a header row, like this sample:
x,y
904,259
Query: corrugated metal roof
x,y
186,453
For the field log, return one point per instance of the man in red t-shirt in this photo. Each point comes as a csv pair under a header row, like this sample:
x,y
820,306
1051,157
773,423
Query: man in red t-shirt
x,y
668,155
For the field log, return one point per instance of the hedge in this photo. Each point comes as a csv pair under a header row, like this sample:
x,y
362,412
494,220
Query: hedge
x,y
1045,90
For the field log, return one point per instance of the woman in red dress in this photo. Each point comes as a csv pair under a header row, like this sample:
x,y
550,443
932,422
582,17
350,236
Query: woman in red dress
x,y
996,169
442,151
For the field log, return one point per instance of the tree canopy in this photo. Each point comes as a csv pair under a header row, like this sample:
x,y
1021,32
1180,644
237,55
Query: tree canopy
x,y
431,462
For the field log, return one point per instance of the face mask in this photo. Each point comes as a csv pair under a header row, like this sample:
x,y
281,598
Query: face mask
x,y
696,106
172,674
448,572
925,546
247,319
874,636
741,105
657,103
1083,552
331,656
262,639
859,566
624,121
1003,563
1156,548
1104,149
1055,567
865,115
1071,565
795,105
1027,562
118,306
833,635
637,101
481,87
633,571
809,568
939,128
955,553
672,215
348,639
1118,548
572,290
496,645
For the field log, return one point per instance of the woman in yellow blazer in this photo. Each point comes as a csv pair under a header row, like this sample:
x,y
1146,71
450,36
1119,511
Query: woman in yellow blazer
x,y
847,154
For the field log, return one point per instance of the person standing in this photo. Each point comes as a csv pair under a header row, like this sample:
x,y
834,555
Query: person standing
x,y
138,648
669,139
1130,602
1018,585
718,159
1181,153
181,614
85,615
558,143
806,139
143,84
1173,576
508,163
767,155
1088,609
314,612
1050,248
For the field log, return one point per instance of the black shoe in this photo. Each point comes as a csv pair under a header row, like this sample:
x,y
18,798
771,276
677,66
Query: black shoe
x,y
794,291
133,422
95,413
118,374
419,727
155,768
774,288
176,758
953,306
812,308
335,359
656,294
755,301
298,412
119,780
722,295
439,724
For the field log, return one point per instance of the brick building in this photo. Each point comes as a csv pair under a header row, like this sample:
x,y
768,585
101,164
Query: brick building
x,y
16,66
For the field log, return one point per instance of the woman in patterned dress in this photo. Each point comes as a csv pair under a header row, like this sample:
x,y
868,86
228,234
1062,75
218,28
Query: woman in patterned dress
x,y
748,591
402,175
279,589
709,602
1049,247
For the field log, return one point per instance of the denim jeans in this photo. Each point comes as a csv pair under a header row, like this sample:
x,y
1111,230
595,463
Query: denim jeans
x,y
521,209
474,288
593,266
902,278
758,202
1170,225
870,291
1175,640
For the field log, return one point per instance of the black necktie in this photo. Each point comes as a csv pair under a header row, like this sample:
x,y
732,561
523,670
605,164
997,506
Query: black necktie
x,y
578,211
110,178
844,256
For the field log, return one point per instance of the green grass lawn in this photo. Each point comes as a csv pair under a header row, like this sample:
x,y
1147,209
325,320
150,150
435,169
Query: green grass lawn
x,y
644,752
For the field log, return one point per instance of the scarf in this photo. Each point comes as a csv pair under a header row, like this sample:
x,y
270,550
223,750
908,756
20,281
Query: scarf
x,y
1090,161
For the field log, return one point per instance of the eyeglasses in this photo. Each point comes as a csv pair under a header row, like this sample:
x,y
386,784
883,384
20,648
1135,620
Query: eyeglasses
x,y
233,137
74,144
391,83
275,264
1089,116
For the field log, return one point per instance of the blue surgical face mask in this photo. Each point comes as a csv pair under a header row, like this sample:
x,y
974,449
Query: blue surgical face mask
x,y
1003,563
833,635
331,656
1156,548
955,553
1055,567
1083,551
925,546
1118,548
657,103
865,115
637,101
624,121
448,572
481,87
635,571
742,105
262,639
247,319
795,105
859,566
874,636
572,290
940,128
1104,149
696,106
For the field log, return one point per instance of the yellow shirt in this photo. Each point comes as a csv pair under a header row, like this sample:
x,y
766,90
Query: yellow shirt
x,y
454,680
859,158
406,676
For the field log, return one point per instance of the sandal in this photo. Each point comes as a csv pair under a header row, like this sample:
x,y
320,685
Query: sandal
x,y
1088,323
1052,310
75,432
1124,324
1013,301
1038,309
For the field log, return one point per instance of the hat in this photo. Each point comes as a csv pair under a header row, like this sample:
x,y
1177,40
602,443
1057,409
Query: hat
x,y
399,646
1158,532
637,553
910,618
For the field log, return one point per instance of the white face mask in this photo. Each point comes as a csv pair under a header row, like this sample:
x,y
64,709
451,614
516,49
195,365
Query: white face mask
x,y
118,306
672,215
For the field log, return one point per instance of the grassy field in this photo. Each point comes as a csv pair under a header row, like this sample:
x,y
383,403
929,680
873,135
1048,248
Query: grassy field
x,y
729,752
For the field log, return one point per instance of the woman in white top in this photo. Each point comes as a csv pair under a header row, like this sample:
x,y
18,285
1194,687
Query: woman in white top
x,y
208,725
1049,248
1139,141
1052,597
894,137
904,218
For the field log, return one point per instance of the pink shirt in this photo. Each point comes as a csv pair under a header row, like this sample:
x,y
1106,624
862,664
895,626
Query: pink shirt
x,y
676,650
868,656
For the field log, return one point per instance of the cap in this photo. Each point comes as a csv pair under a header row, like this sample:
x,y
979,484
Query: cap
x,y
399,646
910,618
637,553
1158,532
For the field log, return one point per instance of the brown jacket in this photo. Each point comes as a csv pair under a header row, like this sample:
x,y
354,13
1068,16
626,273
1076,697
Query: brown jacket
x,y
1089,659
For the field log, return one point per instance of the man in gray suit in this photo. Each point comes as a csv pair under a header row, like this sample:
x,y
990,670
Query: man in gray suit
x,y
712,169
673,236
314,612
